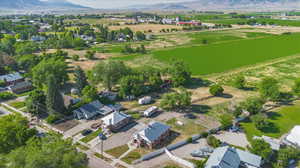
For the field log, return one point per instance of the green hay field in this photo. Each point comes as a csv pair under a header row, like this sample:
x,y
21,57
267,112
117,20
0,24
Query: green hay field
x,y
215,58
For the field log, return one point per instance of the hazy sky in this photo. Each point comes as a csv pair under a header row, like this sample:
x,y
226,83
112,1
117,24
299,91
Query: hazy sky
x,y
119,3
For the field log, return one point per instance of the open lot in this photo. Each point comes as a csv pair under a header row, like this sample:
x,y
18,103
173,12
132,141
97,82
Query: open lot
x,y
283,120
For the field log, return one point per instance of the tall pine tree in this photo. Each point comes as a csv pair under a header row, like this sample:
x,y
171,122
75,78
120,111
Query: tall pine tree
x,y
54,99
80,79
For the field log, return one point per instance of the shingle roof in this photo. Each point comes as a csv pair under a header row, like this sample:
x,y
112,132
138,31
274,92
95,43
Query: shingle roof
x,y
90,110
11,77
20,85
228,157
115,118
153,131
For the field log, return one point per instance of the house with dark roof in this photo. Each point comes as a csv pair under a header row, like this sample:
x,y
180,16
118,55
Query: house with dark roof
x,y
91,110
230,157
153,135
20,87
115,121
11,79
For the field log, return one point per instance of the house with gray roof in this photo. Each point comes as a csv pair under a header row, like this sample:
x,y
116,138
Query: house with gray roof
x,y
11,79
116,121
91,110
230,157
20,87
153,135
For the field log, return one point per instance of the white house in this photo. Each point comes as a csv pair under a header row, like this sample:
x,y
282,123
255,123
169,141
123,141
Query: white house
x,y
116,121
293,138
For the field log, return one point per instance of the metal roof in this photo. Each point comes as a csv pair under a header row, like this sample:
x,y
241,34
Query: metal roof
x,y
11,77
229,157
153,131
115,118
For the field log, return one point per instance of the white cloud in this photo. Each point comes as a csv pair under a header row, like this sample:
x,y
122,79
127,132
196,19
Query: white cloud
x,y
120,3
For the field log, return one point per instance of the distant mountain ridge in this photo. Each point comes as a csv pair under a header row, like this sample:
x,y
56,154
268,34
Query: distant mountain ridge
x,y
36,4
224,4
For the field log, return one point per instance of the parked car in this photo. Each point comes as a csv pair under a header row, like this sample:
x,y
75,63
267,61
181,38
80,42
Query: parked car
x,y
86,132
96,125
190,116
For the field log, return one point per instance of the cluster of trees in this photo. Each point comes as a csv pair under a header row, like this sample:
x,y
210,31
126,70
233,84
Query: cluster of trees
x,y
48,76
129,50
176,100
20,147
135,82
278,159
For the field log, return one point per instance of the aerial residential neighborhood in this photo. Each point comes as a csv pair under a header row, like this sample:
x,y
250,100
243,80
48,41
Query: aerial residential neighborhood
x,y
149,84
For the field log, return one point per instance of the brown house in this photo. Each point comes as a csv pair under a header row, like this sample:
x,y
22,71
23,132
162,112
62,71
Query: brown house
x,y
153,135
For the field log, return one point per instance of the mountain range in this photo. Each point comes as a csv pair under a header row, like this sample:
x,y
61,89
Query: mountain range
x,y
190,5
37,4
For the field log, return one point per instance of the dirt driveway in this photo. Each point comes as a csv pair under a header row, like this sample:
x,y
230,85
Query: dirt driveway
x,y
237,139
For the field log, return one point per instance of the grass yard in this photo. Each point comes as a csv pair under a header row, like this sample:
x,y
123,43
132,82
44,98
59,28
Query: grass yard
x,y
132,156
283,119
91,136
82,147
118,151
222,57
188,129
17,104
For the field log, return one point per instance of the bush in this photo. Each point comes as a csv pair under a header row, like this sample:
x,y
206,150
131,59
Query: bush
x,y
190,140
239,82
226,121
52,118
260,121
205,134
75,57
213,141
6,96
216,90
2,83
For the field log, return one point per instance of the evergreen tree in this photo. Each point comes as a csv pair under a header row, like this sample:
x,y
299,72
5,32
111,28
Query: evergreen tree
x,y
80,78
54,99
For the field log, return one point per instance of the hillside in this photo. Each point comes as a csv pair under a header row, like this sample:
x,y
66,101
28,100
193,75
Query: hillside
x,y
36,4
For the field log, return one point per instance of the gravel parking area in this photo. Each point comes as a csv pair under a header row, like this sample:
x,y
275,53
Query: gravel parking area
x,y
233,138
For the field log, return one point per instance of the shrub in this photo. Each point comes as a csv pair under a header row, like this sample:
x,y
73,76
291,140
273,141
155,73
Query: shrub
x,y
213,141
2,83
260,121
190,140
6,96
239,82
75,57
52,118
226,120
205,134
216,90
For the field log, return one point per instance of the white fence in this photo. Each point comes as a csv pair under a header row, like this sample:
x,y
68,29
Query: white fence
x,y
179,160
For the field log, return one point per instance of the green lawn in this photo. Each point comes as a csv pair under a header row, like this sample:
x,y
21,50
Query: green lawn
x,y
91,136
215,58
118,151
189,128
17,104
131,156
284,120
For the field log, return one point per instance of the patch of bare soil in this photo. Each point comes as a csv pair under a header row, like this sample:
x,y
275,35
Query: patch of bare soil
x,y
65,126
201,96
